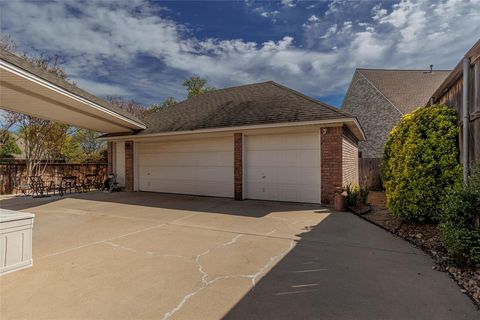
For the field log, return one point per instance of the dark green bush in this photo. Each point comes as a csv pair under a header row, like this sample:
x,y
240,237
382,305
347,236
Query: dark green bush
x,y
356,196
459,225
420,163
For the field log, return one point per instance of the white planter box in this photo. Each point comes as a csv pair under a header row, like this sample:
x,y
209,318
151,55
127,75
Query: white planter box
x,y
15,240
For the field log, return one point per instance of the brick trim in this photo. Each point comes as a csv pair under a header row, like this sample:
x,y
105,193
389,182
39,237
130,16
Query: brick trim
x,y
238,165
110,157
331,162
129,166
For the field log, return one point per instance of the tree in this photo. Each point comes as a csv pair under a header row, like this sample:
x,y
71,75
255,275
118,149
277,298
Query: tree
x,y
196,86
164,104
93,150
43,139
420,163
131,106
8,146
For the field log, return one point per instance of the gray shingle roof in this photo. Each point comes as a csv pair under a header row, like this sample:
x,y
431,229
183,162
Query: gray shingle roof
x,y
65,85
258,103
406,89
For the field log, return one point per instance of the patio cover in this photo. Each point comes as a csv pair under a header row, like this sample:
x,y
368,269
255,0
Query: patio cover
x,y
27,89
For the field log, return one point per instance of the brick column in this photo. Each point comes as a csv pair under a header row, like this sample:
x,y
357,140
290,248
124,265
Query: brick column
x,y
129,166
238,165
331,162
109,157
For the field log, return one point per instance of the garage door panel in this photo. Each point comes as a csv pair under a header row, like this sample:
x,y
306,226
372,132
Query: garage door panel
x,y
283,167
202,167
289,141
187,173
210,145
283,158
187,159
209,188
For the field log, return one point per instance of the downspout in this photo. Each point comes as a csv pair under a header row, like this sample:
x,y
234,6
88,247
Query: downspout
x,y
466,116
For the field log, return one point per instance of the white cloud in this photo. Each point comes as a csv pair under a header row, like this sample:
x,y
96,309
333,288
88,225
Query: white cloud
x,y
101,89
105,39
289,3
266,13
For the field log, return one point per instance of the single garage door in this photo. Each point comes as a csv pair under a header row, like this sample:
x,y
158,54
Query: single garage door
x,y
283,167
199,167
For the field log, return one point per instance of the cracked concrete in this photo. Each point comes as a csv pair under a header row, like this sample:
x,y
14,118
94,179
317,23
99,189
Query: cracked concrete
x,y
154,256
123,256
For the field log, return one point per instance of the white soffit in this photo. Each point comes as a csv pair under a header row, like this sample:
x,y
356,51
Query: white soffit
x,y
26,93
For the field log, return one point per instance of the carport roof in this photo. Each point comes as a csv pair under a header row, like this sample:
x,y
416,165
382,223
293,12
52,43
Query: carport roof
x,y
32,90
248,105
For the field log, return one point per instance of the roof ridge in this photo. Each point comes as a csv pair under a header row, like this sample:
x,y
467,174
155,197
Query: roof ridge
x,y
323,104
379,91
385,69
220,90
239,86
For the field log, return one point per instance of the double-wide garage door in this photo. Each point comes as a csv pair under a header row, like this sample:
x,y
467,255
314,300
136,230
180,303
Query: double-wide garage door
x,y
282,167
201,167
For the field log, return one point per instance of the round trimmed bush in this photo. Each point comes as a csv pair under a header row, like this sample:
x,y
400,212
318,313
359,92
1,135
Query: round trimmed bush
x,y
420,163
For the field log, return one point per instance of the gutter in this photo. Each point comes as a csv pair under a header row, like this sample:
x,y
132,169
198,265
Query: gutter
x,y
238,128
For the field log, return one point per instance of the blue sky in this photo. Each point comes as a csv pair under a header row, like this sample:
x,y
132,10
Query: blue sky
x,y
143,50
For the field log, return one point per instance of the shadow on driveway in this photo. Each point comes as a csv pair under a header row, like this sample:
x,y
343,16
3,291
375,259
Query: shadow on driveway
x,y
345,268
250,208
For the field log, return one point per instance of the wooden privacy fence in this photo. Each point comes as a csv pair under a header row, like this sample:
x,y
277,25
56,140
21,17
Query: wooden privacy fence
x,y
369,173
14,175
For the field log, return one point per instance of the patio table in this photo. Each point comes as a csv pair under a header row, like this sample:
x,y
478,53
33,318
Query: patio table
x,y
69,183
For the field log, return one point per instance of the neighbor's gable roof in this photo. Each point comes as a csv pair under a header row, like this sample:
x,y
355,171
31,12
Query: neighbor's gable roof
x,y
253,104
21,63
405,89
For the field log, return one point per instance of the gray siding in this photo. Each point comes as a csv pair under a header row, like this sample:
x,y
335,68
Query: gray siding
x,y
376,115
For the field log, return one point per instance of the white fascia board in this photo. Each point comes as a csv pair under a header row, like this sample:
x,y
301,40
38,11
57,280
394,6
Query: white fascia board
x,y
239,128
31,77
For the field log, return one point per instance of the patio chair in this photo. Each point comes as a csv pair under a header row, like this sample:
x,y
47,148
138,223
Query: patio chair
x,y
111,183
89,182
24,188
70,183
38,187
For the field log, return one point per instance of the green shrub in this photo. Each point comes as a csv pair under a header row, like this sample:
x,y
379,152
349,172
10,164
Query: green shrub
x,y
420,163
356,196
459,227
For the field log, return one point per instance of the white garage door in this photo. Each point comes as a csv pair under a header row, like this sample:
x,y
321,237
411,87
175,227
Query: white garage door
x,y
200,167
284,167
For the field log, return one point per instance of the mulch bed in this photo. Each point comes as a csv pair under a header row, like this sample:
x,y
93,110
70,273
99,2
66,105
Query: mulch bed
x,y
427,238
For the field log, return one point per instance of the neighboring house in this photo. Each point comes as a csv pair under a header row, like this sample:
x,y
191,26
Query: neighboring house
x,y
258,141
380,97
450,92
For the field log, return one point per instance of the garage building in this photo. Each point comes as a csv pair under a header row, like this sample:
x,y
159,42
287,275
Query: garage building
x,y
258,141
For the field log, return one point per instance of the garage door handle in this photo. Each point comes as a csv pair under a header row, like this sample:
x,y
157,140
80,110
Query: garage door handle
x,y
263,177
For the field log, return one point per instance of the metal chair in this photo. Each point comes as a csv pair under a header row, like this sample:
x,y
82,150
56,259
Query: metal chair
x,y
38,187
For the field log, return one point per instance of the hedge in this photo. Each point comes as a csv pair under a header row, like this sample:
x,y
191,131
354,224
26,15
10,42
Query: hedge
x,y
420,163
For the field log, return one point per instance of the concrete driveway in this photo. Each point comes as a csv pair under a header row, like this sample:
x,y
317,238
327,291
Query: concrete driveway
x,y
154,256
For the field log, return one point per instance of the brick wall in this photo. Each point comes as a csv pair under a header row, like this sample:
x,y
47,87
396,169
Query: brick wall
x,y
238,165
129,166
14,175
110,157
331,139
376,115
